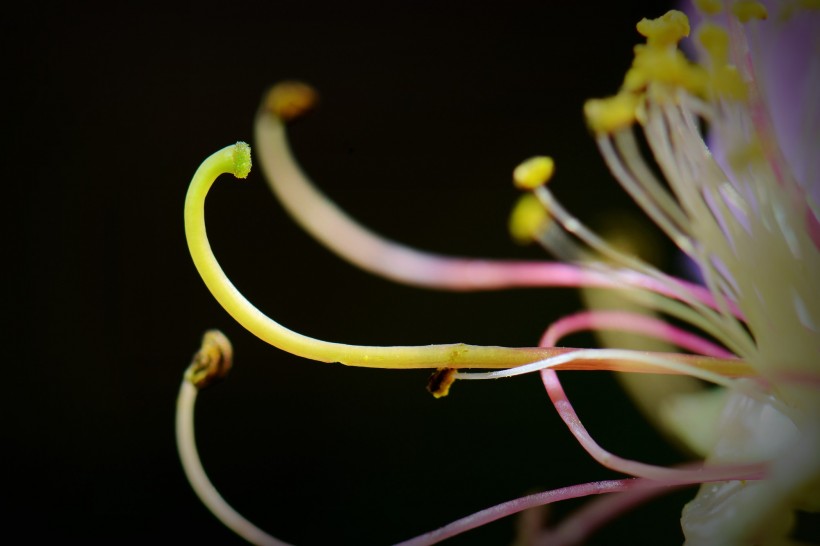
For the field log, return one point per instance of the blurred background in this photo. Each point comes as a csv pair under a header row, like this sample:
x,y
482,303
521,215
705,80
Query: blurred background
x,y
426,107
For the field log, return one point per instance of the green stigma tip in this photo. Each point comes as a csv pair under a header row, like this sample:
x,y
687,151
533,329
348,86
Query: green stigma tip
x,y
241,159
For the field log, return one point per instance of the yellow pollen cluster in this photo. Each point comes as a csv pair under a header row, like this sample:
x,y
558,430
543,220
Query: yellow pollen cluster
x,y
666,30
709,7
533,172
528,219
657,62
612,113
665,65
715,41
743,156
746,10
659,67
724,79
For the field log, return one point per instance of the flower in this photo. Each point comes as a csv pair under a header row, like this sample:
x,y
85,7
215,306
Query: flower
x,y
741,207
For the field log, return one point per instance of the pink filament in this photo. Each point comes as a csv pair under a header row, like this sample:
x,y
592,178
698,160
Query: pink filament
x,y
620,320
583,523
517,505
465,274
641,490
630,322
653,480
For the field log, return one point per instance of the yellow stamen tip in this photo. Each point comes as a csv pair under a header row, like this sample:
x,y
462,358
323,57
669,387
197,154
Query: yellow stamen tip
x,y
612,113
291,99
723,80
663,65
715,40
534,172
709,7
527,220
212,361
668,29
745,155
241,160
745,10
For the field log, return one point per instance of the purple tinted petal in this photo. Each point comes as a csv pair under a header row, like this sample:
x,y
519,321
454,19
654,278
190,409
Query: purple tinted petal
x,y
787,57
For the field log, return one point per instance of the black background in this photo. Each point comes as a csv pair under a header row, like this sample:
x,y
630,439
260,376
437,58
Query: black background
x,y
426,108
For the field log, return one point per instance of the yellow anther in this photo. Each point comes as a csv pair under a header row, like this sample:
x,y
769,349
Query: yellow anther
x,y
528,219
289,100
533,172
709,7
724,81
715,40
612,113
746,10
790,9
666,30
666,66
745,155
212,361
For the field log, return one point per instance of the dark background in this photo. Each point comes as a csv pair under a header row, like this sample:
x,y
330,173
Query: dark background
x,y
426,108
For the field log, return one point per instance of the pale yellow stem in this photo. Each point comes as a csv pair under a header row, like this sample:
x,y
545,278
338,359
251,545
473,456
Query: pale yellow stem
x,y
236,160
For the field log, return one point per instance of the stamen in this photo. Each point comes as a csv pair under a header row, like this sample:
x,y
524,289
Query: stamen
x,y
619,464
215,349
528,220
709,7
630,322
236,160
213,361
703,318
678,149
612,114
644,188
534,172
746,10
666,30
366,249
505,509
717,371
509,508
576,528
291,99
440,382
341,234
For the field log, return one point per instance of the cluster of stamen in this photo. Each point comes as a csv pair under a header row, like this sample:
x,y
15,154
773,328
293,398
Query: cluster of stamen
x,y
705,211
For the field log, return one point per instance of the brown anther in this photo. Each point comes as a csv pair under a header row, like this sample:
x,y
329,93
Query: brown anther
x,y
439,383
212,361
290,99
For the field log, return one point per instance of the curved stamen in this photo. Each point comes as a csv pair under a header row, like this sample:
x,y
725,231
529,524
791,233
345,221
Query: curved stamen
x,y
584,522
236,160
505,509
630,322
699,315
215,349
619,464
514,506
719,373
341,234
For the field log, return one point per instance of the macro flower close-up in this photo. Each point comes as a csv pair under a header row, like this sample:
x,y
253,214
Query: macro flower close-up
x,y
720,154
527,273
